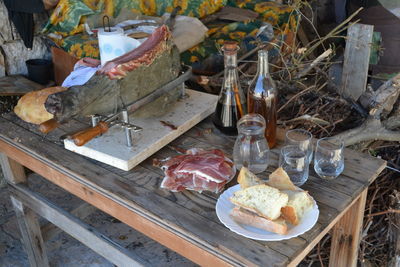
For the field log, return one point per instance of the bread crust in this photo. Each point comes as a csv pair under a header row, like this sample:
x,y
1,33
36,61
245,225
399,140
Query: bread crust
x,y
244,217
289,214
246,178
30,107
280,180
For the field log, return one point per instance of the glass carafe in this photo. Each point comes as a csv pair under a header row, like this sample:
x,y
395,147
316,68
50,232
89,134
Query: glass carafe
x,y
251,148
231,104
262,97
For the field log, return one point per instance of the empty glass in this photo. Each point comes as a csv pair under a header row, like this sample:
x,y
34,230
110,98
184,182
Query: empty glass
x,y
251,148
329,158
301,138
295,162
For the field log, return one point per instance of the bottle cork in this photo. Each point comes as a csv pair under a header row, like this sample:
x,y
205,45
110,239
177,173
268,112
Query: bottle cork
x,y
230,47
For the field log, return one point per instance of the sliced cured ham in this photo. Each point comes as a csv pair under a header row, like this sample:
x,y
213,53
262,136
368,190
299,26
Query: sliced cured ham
x,y
197,170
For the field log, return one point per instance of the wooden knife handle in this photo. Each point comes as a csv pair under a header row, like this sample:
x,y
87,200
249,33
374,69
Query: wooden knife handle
x,y
84,136
48,126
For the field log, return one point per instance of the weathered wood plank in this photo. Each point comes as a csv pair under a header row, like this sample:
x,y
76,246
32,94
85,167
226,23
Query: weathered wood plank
x,y
54,136
77,229
356,60
361,166
327,196
50,230
346,235
30,234
343,183
17,85
182,230
12,170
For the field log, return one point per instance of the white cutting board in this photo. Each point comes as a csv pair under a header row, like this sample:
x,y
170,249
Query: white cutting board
x,y
110,148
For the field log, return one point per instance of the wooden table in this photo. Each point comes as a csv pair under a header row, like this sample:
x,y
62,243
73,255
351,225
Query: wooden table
x,y
185,222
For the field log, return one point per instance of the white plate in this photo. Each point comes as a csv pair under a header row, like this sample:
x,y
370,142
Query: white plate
x,y
224,207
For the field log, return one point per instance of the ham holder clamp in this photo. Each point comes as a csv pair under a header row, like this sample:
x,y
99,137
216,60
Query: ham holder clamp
x,y
101,124
156,131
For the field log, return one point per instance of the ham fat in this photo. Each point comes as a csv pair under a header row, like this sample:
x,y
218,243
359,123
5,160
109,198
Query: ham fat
x,y
197,170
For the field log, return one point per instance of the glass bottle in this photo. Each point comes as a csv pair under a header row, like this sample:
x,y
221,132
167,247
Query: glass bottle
x,y
231,104
262,97
251,148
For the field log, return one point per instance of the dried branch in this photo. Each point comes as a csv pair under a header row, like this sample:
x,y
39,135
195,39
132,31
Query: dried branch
x,y
384,212
321,57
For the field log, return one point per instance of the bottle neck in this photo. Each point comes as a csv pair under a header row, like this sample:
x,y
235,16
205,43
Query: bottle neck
x,y
230,60
263,68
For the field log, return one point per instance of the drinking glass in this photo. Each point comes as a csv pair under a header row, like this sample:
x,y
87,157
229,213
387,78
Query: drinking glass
x,y
295,162
301,138
251,148
329,158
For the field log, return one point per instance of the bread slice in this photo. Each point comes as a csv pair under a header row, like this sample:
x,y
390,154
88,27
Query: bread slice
x,y
246,217
280,180
299,202
246,178
262,199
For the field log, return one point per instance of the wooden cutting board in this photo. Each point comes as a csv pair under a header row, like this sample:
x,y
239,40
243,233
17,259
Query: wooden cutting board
x,y
110,148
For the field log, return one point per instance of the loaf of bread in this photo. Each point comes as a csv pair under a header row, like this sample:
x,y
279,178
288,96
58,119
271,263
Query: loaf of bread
x,y
280,180
299,202
243,216
246,178
261,199
30,107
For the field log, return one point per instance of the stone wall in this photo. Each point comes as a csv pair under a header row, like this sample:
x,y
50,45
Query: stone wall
x,y
13,53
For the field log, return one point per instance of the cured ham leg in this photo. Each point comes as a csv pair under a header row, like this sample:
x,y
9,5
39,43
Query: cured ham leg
x,y
122,80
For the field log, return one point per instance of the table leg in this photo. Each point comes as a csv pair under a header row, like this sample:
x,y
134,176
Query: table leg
x,y
346,235
31,234
12,170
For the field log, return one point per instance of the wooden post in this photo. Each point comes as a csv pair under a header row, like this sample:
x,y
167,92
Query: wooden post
x,y
356,60
12,170
346,235
30,234
28,223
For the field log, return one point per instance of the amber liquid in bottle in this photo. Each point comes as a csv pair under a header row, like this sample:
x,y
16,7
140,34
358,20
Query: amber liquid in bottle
x,y
265,106
262,98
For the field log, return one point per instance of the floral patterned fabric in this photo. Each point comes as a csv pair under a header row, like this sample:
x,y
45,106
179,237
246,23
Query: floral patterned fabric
x,y
69,15
81,45
282,18
277,15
